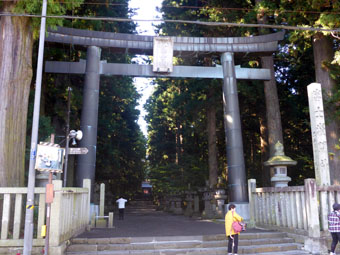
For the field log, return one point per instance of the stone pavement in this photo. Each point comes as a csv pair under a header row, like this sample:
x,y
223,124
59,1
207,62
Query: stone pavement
x,y
147,222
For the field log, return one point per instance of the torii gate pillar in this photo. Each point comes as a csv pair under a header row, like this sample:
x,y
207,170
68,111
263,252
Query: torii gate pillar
x,y
86,164
237,188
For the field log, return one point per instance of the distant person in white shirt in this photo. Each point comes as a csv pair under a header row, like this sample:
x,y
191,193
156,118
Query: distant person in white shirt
x,y
121,206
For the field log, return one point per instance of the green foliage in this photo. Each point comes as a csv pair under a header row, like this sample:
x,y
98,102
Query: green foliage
x,y
120,141
53,8
177,145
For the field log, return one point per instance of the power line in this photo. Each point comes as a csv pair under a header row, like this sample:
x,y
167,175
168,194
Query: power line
x,y
203,23
196,7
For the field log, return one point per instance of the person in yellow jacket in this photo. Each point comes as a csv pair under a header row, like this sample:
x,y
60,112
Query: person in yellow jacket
x,y
230,217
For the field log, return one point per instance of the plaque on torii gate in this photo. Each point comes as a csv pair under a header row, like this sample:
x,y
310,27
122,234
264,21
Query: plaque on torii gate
x,y
163,48
226,47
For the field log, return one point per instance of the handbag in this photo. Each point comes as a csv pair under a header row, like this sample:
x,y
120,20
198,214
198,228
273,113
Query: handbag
x,y
237,227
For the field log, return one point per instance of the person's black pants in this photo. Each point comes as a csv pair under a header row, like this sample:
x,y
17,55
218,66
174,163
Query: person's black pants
x,y
230,244
121,213
335,240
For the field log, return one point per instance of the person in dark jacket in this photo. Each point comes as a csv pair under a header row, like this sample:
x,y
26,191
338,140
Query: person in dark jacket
x,y
334,226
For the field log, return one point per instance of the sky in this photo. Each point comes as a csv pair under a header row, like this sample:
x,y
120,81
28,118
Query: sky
x,y
146,10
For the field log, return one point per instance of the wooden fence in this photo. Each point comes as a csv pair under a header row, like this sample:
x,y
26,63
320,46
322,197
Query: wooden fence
x,y
69,214
301,209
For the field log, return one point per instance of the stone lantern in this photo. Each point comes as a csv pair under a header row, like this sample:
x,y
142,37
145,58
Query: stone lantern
x,y
220,197
280,162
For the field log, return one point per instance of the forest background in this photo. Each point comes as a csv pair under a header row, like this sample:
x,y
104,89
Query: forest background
x,y
186,138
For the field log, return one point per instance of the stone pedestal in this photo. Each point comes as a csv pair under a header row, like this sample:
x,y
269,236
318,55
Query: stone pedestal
x,y
316,245
280,180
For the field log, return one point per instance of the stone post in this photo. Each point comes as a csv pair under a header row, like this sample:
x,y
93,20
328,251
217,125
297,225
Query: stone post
x,y
317,119
87,184
101,222
102,199
251,189
56,220
313,243
110,225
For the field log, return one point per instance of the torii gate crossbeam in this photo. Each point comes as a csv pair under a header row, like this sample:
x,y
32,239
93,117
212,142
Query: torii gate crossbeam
x,y
146,70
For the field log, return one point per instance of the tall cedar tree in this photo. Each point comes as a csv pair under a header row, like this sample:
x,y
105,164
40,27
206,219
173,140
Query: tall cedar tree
x,y
16,43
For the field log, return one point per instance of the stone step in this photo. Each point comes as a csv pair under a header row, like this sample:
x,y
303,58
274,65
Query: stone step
x,y
219,237
295,252
266,243
175,244
192,251
263,248
276,243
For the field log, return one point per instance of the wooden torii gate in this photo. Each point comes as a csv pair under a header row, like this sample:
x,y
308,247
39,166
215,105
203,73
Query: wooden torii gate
x,y
226,47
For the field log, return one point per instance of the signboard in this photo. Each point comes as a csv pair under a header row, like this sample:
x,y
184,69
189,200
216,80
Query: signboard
x,y
78,151
163,54
50,157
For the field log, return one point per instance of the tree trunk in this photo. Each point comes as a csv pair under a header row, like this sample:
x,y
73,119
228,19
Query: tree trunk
x,y
265,176
212,147
272,100
323,51
272,107
16,45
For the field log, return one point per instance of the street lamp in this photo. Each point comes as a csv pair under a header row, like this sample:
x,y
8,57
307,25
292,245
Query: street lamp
x,y
74,135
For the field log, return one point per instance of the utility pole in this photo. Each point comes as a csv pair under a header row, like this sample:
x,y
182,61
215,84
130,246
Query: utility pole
x,y
28,234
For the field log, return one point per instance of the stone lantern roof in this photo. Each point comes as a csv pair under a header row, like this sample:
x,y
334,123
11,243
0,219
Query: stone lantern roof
x,y
279,158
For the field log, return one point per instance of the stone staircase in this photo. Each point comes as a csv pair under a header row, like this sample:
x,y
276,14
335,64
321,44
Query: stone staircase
x,y
266,243
140,206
